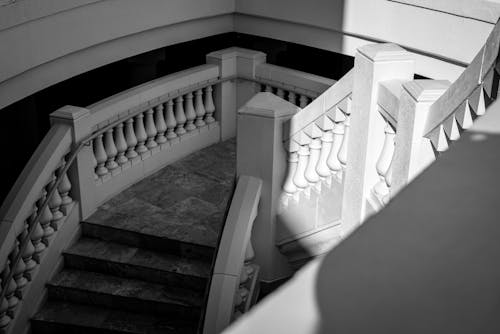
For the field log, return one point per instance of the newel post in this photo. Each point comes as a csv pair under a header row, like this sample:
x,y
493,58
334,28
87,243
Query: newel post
x,y
260,153
413,152
232,94
81,172
373,64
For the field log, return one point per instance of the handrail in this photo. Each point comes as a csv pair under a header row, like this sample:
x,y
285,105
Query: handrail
x,y
323,103
473,77
231,253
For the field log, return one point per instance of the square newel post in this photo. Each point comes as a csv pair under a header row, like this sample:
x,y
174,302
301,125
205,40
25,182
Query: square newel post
x,y
81,173
260,153
373,64
413,152
231,94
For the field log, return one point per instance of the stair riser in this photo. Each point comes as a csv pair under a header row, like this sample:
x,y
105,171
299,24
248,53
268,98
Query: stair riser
x,y
182,312
145,241
136,272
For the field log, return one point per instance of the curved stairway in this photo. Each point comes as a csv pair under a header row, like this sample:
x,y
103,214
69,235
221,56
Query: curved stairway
x,y
143,262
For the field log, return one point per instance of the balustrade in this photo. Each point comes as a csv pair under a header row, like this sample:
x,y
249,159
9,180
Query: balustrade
x,y
144,134
300,100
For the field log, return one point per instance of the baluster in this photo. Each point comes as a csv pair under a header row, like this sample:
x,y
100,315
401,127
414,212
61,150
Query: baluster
x,y
289,185
18,271
111,151
299,177
280,92
150,129
303,101
161,126
199,108
189,112
388,182
179,116
121,145
100,156
292,97
55,203
45,220
140,134
36,236
10,289
94,161
28,253
64,188
130,138
326,146
4,318
314,149
268,89
170,119
384,161
343,148
209,105
333,159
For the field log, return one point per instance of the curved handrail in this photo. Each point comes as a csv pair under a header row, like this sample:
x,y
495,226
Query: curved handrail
x,y
474,76
328,99
231,253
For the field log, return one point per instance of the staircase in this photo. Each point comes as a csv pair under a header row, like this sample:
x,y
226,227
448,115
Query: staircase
x,y
143,261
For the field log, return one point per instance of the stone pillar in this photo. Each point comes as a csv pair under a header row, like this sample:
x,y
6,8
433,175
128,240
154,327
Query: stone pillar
x,y
81,173
413,152
373,63
260,153
230,95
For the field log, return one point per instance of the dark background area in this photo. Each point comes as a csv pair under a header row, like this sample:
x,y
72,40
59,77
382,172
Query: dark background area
x,y
25,123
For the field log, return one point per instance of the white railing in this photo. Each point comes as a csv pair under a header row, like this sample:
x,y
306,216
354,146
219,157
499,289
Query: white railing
x,y
234,282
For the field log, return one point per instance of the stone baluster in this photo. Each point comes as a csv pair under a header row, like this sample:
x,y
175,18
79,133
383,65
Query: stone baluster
x,y
121,145
36,236
100,156
161,126
111,151
333,161
18,270
180,117
289,186
299,177
388,182
314,151
4,318
45,219
10,288
170,120
342,155
64,188
381,189
292,98
55,203
189,112
280,92
268,89
150,129
94,161
28,253
199,108
209,105
303,101
140,134
130,138
326,147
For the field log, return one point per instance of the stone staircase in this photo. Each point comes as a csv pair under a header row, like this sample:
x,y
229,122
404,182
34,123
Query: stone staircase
x,y
143,262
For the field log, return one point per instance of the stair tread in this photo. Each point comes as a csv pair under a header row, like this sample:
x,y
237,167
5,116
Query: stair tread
x,y
120,253
125,287
94,317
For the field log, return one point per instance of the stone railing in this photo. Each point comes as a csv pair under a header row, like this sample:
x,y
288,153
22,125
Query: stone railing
x,y
234,282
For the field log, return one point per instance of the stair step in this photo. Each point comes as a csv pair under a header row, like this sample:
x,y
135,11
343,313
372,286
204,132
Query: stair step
x,y
131,262
64,317
133,295
115,233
